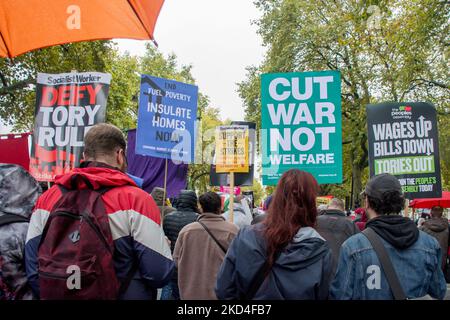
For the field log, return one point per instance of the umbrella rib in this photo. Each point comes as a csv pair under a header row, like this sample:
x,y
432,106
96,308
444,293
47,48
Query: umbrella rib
x,y
139,18
6,46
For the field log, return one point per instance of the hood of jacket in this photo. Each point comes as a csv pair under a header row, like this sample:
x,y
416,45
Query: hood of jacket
x,y
19,191
399,231
98,174
334,212
436,224
305,249
238,207
187,201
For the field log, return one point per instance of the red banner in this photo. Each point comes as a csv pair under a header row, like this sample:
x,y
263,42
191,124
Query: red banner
x,y
14,149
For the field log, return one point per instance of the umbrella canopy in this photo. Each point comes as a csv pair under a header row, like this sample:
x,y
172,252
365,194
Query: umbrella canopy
x,y
27,25
443,202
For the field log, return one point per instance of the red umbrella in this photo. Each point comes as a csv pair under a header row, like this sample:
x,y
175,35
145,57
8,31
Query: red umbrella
x,y
443,202
27,25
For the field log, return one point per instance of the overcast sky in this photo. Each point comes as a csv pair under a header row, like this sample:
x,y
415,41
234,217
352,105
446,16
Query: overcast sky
x,y
217,38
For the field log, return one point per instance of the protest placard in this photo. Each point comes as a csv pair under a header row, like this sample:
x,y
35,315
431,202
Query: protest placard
x,y
403,141
166,120
232,149
240,178
67,106
301,125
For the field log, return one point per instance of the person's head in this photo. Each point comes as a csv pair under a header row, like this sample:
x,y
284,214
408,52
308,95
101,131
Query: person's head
x,y
238,198
210,202
425,215
106,143
336,204
321,209
293,206
187,200
383,196
437,211
158,195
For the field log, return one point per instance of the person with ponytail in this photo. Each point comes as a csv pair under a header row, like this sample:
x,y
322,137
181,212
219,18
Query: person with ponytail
x,y
282,257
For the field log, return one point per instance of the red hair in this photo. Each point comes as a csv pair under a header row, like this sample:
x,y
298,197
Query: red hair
x,y
293,207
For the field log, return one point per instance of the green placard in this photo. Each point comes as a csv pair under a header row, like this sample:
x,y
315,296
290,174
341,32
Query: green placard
x,y
302,125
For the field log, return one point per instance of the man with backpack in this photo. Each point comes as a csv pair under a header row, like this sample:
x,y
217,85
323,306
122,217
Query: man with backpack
x,y
200,249
95,234
18,194
391,258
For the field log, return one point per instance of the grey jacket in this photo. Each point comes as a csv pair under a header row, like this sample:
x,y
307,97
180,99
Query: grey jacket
x,y
335,228
18,194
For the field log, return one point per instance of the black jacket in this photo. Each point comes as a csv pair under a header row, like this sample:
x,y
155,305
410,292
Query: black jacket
x,y
185,214
334,226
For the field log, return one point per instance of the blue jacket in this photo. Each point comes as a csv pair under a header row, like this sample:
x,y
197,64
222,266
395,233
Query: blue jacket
x,y
360,276
302,271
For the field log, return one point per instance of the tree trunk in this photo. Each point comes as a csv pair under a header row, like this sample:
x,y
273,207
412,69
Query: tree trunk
x,y
357,184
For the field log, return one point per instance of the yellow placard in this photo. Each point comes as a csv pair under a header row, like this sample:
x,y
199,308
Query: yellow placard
x,y
323,200
232,149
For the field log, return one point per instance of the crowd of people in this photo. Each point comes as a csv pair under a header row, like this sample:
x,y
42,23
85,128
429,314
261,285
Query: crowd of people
x,y
95,235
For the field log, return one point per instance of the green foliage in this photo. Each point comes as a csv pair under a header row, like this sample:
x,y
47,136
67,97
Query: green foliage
x,y
258,192
17,77
393,50
198,176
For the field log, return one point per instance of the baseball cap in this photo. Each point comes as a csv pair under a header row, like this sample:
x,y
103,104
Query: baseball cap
x,y
380,184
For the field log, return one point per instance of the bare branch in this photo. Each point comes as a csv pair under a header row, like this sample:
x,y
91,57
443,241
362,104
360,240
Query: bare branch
x,y
16,86
3,79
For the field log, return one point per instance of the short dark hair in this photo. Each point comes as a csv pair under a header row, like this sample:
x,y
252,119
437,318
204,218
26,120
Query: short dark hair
x,y
210,202
103,139
437,211
392,202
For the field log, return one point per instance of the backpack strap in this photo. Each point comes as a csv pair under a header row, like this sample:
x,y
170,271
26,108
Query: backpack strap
x,y
12,218
212,236
260,277
386,264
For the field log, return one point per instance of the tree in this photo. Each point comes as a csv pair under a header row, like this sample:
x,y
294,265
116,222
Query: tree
x,y
258,192
198,176
125,69
18,76
385,50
